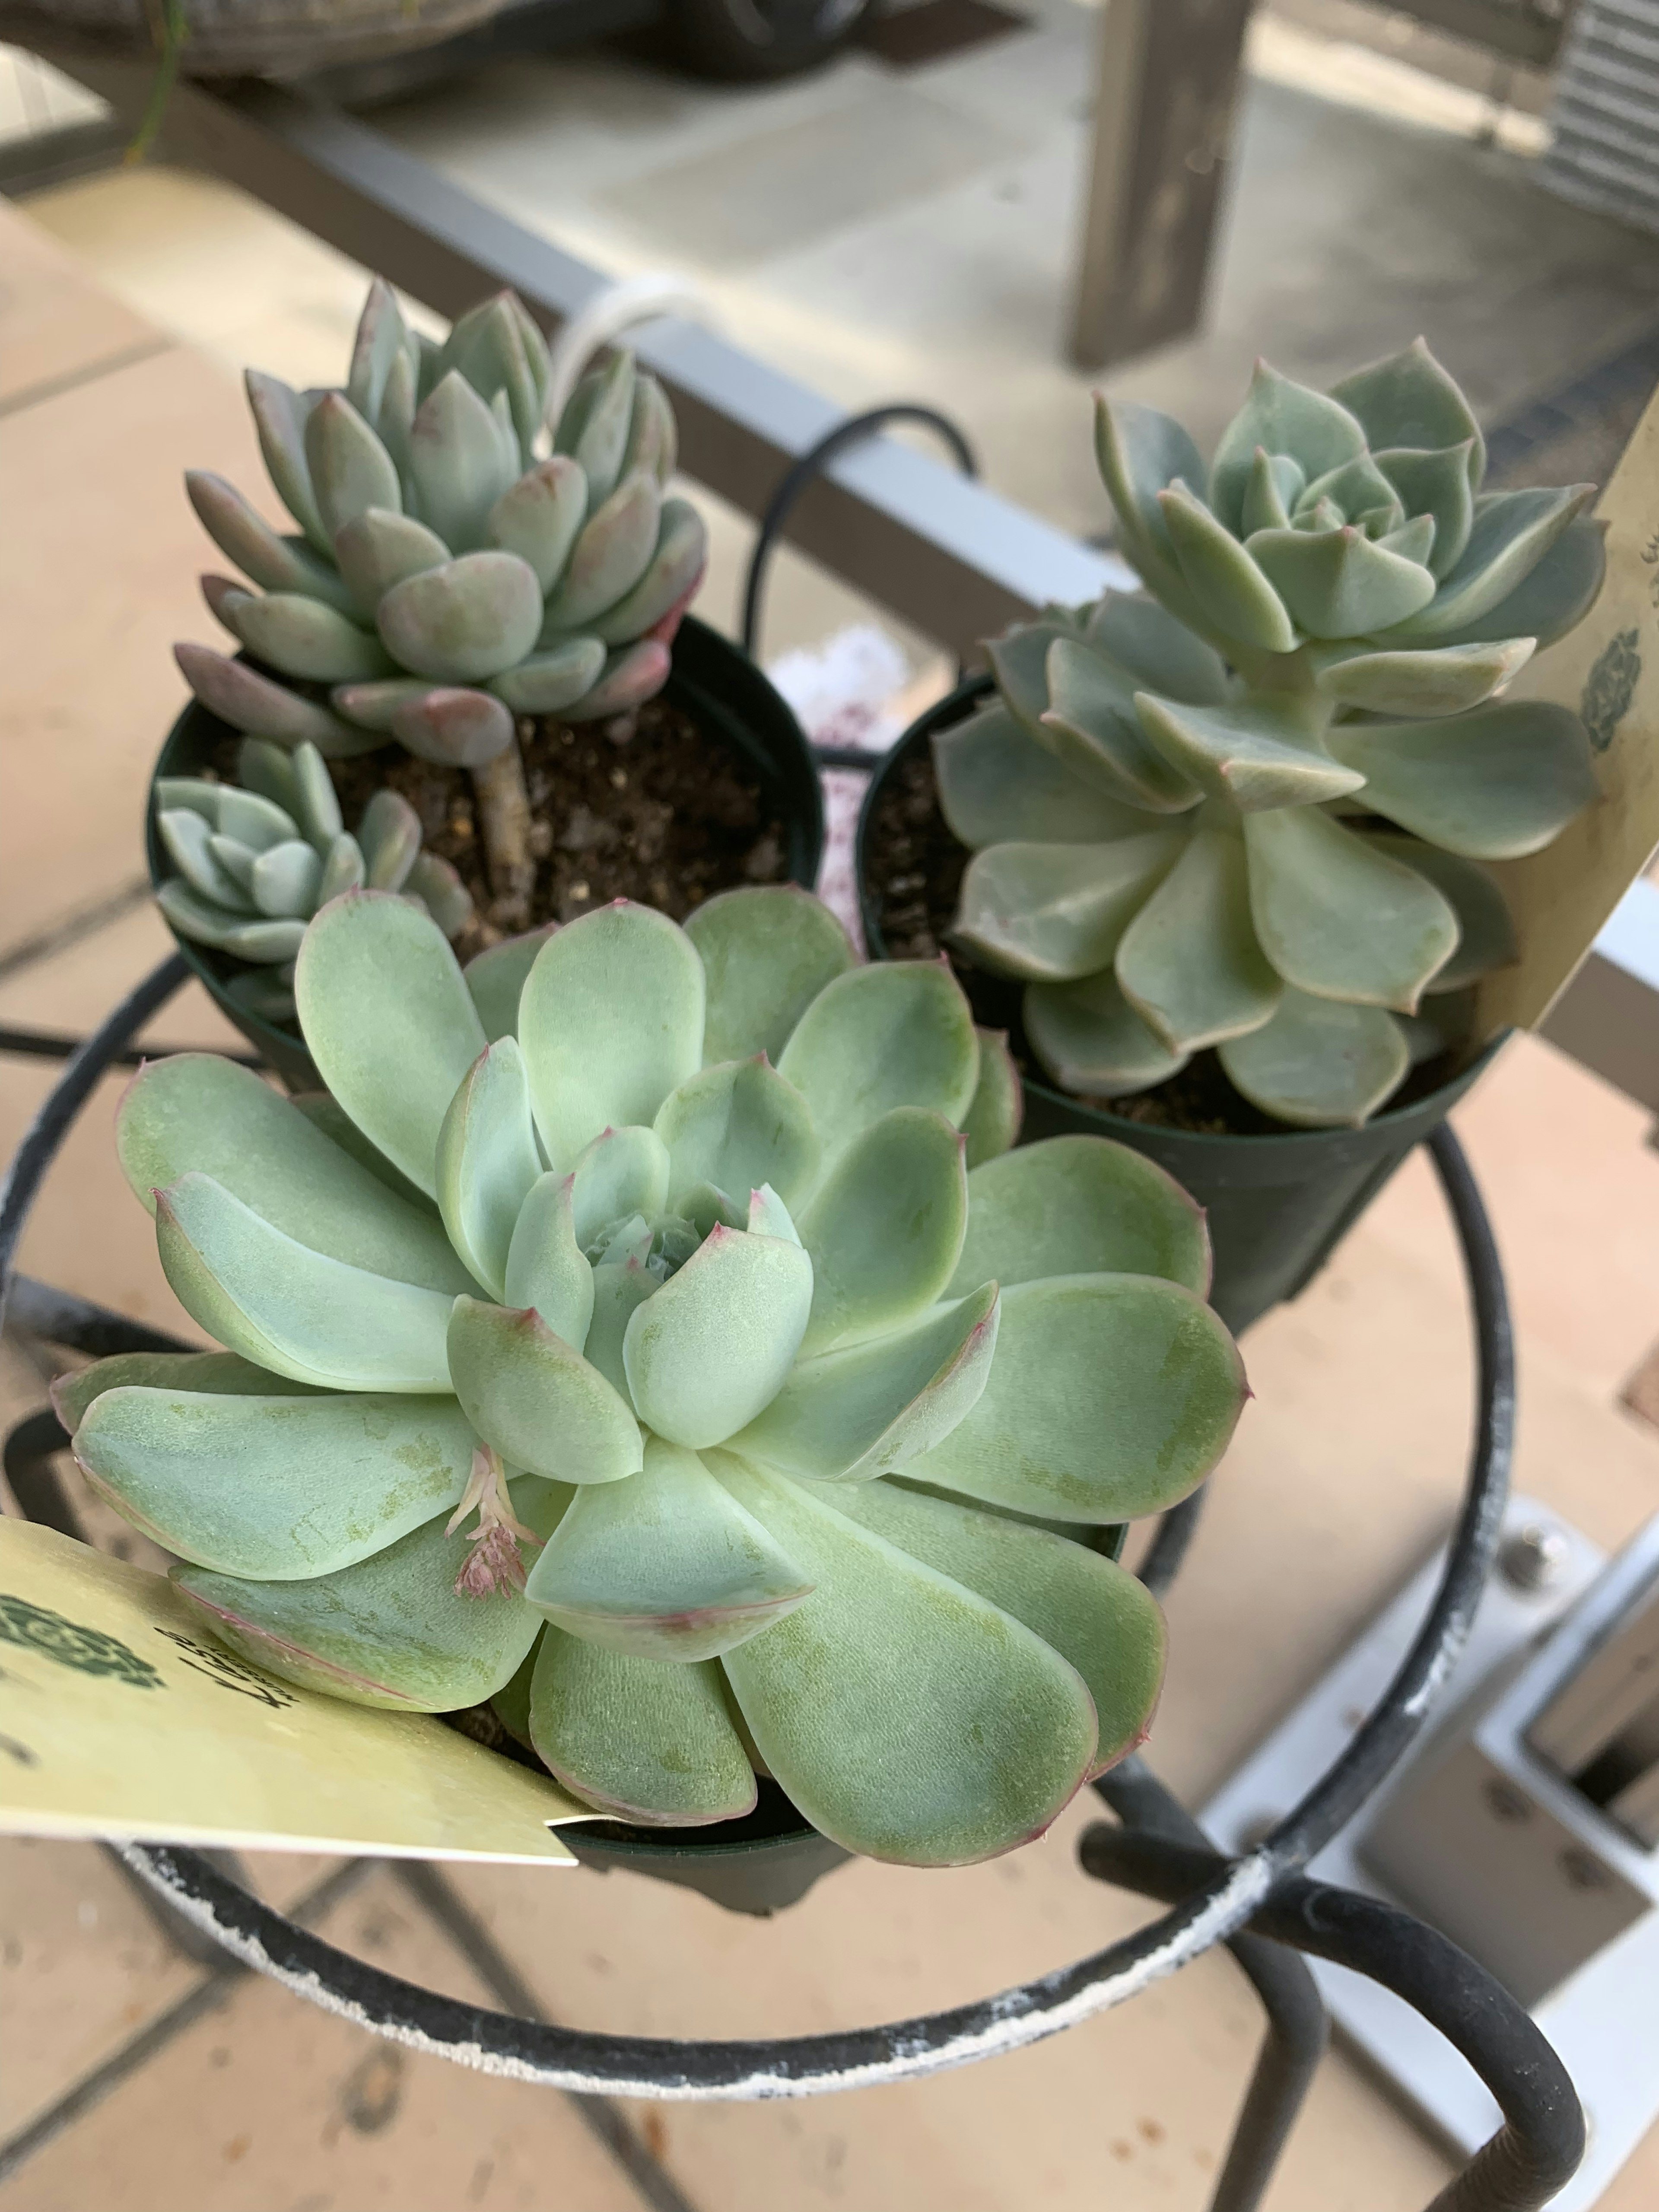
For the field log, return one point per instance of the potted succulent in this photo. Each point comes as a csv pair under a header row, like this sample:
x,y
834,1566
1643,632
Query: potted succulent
x,y
652,1333
479,630
1213,853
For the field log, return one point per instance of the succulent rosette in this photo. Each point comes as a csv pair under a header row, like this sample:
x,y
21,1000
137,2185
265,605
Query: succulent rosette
x,y
458,562
1250,810
689,1266
257,857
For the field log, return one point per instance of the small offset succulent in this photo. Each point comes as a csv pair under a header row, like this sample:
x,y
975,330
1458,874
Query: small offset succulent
x,y
457,566
694,1264
1250,811
257,859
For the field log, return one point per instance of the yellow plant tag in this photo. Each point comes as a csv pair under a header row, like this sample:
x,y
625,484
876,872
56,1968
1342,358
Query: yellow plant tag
x,y
120,1717
1607,670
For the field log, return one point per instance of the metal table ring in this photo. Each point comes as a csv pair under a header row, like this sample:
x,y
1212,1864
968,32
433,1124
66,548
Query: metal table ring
x,y
1158,1851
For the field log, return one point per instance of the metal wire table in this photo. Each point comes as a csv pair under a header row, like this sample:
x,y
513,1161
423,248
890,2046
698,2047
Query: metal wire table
x,y
1261,1905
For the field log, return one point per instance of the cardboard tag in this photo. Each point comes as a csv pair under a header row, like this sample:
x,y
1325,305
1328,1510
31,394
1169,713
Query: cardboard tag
x,y
1607,670
120,1717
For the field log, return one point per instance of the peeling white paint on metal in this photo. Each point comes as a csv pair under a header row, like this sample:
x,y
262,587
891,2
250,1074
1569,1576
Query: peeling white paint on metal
x,y
1014,2020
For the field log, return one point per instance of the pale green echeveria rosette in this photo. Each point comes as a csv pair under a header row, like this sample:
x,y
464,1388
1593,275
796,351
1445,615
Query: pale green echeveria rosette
x,y
457,564
692,1268
1250,810
257,858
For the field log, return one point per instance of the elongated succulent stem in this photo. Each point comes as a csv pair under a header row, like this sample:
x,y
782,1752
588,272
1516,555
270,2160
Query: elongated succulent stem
x,y
504,825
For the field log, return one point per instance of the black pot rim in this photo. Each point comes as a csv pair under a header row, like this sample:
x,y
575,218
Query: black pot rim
x,y
280,1045
941,715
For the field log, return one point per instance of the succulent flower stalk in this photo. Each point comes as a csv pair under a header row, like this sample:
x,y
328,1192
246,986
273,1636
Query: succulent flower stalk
x,y
1250,810
695,1264
457,564
257,858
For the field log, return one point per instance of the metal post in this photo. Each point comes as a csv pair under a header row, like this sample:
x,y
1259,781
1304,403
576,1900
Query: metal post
x,y
1164,116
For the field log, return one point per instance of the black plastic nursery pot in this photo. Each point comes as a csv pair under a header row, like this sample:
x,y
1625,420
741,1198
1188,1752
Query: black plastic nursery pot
x,y
1278,1202
713,681
760,1864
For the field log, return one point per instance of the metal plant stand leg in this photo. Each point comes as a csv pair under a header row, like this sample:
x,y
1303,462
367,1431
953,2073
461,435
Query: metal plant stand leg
x,y
1254,1902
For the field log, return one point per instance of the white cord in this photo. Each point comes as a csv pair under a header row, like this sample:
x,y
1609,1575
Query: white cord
x,y
634,299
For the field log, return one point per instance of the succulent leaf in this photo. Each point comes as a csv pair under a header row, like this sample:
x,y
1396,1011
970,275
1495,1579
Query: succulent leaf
x,y
320,1481
239,695
1340,919
545,1265
666,1566
1055,912
629,677
1511,532
1339,583
459,464
1092,1041
767,954
1280,416
1099,1618
991,1124
549,681
647,1738
596,425
1553,598
1091,726
860,1411
222,1373
1492,785
1319,1062
283,1305
611,556
455,728
995,781
284,881
1485,930
1139,1419
884,1228
1190,963
487,1162
1447,679
738,1125
1141,454
1077,1205
1408,399
671,576
1229,586
992,1737
622,1173
588,1073
275,564
351,471
1439,485
899,1034
387,1018
303,637
496,978
391,1630
279,418
714,1346
253,939
536,1401
472,618
1157,649
380,547
1258,754
540,517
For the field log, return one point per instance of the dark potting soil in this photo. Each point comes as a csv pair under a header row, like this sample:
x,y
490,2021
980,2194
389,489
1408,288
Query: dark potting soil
x,y
913,867
647,807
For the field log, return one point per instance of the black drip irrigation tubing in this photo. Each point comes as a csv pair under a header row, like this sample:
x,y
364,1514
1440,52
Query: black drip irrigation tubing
x,y
1254,1903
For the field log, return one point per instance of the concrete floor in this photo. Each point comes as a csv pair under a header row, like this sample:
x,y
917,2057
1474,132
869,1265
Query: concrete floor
x,y
133,2084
